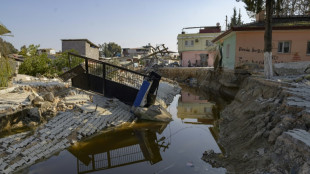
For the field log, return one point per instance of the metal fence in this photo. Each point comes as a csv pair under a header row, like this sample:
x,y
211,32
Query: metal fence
x,y
106,78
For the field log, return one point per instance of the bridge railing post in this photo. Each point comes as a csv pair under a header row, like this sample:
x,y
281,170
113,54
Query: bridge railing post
x,y
104,77
87,73
69,60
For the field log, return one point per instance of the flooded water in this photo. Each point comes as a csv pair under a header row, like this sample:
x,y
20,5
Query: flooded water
x,y
146,147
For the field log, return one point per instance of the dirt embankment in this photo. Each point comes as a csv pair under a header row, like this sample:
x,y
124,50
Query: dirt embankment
x,y
265,129
222,83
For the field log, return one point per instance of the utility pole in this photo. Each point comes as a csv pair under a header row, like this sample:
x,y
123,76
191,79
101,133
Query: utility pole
x,y
226,23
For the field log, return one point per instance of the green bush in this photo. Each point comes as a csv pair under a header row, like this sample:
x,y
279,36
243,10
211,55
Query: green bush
x,y
40,64
36,64
5,71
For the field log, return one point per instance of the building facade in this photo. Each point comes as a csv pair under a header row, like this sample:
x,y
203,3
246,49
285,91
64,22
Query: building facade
x,y
196,49
83,46
137,52
245,44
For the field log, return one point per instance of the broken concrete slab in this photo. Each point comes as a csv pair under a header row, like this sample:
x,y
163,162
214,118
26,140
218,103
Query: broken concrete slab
x,y
74,99
154,113
291,68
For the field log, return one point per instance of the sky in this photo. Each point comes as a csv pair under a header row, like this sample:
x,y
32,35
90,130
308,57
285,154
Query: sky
x,y
129,23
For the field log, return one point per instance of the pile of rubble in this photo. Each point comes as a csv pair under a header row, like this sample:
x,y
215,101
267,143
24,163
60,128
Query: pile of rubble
x,y
58,115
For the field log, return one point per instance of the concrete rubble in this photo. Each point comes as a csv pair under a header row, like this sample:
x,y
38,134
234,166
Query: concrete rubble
x,y
291,68
61,115
157,112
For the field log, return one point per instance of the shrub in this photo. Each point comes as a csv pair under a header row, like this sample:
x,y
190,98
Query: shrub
x,y
5,71
36,64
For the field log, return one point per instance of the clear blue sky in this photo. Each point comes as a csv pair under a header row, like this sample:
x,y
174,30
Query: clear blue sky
x,y
130,23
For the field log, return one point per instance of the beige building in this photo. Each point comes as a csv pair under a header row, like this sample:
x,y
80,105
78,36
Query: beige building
x,y
196,49
83,46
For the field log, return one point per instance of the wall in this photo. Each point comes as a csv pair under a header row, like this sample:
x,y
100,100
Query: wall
x,y
198,46
92,52
79,46
192,56
250,46
229,56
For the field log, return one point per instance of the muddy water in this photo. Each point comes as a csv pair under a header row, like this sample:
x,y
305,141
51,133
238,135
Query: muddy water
x,y
146,147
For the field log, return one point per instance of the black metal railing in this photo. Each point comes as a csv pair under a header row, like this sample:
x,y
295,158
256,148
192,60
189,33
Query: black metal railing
x,y
111,72
108,79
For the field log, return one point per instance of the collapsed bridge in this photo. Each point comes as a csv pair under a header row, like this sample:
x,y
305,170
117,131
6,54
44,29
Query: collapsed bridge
x,y
110,80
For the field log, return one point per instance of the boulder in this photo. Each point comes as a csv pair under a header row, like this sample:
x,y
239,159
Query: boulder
x,y
153,113
38,99
36,113
49,97
31,97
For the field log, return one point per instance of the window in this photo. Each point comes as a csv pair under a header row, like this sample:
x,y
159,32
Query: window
x,y
208,43
308,48
189,43
284,47
227,50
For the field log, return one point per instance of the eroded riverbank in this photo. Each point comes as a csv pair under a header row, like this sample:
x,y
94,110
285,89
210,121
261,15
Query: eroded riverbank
x,y
265,129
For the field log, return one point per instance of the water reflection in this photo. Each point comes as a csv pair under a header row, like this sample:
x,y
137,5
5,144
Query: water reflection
x,y
195,107
148,147
130,145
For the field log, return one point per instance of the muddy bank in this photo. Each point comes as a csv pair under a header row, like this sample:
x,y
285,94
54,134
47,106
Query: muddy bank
x,y
265,129
221,83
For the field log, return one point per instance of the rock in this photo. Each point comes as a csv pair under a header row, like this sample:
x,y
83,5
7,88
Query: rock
x,y
38,99
49,97
31,97
35,112
304,169
45,106
189,164
154,113
32,124
18,125
260,151
274,133
61,106
71,92
209,153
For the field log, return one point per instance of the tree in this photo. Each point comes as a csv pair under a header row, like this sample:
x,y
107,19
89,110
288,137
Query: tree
x,y
6,48
33,63
61,63
6,71
235,20
280,7
253,6
109,49
239,21
268,40
294,7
